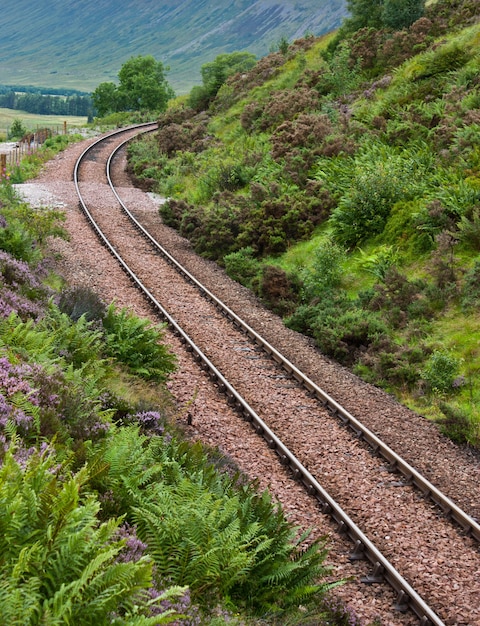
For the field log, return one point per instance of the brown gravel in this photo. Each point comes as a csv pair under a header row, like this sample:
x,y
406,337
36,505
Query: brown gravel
x,y
435,558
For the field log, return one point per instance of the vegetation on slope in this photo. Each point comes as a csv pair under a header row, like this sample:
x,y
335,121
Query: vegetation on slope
x,y
108,515
339,179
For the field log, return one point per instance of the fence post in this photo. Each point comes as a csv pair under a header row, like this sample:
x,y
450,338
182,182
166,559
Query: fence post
x,y
64,128
3,165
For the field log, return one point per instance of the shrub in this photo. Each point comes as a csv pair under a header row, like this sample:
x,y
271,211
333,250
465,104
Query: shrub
x,y
325,273
398,14
458,425
21,288
345,335
242,266
18,241
471,287
308,130
80,300
395,296
278,216
440,372
232,176
364,210
386,363
469,229
188,135
17,129
368,185
278,290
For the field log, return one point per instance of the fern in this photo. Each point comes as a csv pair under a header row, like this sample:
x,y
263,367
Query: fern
x,y
58,562
78,341
26,338
136,343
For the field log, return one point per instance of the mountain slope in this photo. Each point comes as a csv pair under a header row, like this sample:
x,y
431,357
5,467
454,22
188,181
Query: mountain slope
x,y
72,44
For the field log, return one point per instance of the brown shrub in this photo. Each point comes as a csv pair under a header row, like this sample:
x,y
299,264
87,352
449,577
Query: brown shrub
x,y
308,130
278,290
189,135
285,105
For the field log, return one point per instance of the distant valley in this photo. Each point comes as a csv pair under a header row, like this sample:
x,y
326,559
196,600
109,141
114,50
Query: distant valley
x,y
77,45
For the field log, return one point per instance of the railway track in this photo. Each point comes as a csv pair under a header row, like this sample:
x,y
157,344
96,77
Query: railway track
x,y
234,355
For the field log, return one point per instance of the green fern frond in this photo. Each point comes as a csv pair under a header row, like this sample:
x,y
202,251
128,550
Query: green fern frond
x,y
26,338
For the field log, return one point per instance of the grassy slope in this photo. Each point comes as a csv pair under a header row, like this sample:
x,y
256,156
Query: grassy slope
x,y
429,109
79,45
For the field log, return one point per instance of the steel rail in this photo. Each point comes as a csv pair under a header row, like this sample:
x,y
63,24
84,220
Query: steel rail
x,y
407,597
413,477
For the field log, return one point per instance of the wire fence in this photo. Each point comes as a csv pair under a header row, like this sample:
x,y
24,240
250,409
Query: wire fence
x,y
11,153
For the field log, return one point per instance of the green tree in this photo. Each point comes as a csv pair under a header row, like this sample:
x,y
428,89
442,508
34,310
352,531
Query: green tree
x,y
364,14
143,85
105,98
398,14
17,129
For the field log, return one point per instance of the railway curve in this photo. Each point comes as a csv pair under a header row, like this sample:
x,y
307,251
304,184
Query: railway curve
x,y
242,353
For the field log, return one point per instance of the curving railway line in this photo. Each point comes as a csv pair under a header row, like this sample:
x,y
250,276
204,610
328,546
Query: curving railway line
x,y
411,523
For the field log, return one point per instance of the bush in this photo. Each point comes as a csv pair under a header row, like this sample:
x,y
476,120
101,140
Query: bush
x,y
278,290
367,186
80,300
440,372
364,210
18,241
398,14
471,287
325,273
469,229
388,364
242,266
346,335
458,425
17,129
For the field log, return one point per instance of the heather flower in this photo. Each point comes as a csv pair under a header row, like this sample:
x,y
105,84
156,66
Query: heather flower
x,y
134,548
22,455
150,422
98,428
181,605
342,613
13,380
13,302
17,272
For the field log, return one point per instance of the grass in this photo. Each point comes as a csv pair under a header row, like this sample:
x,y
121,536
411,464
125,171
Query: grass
x,y
33,121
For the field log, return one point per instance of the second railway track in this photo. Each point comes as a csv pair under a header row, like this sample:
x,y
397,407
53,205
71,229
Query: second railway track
x,y
439,560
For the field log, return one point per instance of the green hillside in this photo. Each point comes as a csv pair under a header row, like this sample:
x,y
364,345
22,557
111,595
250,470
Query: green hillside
x,y
82,44
339,179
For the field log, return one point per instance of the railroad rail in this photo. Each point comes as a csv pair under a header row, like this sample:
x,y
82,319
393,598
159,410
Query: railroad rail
x,y
407,597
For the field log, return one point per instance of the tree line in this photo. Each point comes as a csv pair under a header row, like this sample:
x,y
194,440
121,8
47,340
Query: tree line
x,y
80,105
